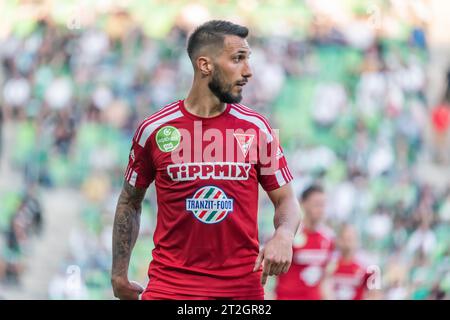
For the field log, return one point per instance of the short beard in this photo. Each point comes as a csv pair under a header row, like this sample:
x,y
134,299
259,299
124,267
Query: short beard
x,y
221,91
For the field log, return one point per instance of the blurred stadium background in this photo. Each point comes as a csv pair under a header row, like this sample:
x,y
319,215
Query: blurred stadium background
x,y
359,90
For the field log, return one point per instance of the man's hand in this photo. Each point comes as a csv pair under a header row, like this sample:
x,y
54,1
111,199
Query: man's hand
x,y
126,290
276,256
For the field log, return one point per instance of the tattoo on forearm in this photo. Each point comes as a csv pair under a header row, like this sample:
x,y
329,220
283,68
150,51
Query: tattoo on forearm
x,y
126,227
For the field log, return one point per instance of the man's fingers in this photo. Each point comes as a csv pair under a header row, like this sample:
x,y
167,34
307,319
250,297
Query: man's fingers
x,y
280,268
266,271
286,267
129,291
273,265
283,269
276,268
264,278
137,286
271,269
259,260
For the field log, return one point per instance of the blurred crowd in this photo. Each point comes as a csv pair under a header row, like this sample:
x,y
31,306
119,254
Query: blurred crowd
x,y
350,104
21,222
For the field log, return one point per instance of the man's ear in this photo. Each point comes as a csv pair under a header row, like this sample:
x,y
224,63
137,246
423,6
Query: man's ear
x,y
204,65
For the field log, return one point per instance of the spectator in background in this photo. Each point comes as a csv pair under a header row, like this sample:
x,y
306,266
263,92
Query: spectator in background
x,y
437,293
423,238
313,246
64,131
447,87
25,223
347,275
1,132
2,261
440,118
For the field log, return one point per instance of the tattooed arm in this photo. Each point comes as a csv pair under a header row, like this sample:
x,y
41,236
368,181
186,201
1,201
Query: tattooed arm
x,y
125,233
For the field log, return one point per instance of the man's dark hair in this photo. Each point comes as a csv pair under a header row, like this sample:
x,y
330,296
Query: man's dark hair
x,y
310,190
213,33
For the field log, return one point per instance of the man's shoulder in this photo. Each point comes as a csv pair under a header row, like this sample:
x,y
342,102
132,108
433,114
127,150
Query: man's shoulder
x,y
158,118
162,112
252,119
238,108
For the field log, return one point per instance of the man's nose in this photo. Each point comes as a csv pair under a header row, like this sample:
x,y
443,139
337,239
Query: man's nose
x,y
247,71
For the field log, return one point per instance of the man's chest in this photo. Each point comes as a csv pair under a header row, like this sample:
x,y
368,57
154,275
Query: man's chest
x,y
192,151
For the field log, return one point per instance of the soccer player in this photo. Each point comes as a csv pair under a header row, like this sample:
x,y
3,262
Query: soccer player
x,y
347,273
207,155
313,247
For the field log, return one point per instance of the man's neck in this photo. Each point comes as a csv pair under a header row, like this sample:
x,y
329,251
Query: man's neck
x,y
310,226
202,102
347,256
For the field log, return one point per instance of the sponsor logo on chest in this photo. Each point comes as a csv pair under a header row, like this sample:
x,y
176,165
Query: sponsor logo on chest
x,y
207,170
209,204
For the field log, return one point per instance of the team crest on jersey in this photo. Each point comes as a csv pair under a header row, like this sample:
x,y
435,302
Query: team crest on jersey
x,y
244,142
168,138
210,204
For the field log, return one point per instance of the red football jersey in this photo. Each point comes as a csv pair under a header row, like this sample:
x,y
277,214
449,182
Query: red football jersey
x,y
206,173
311,253
348,278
